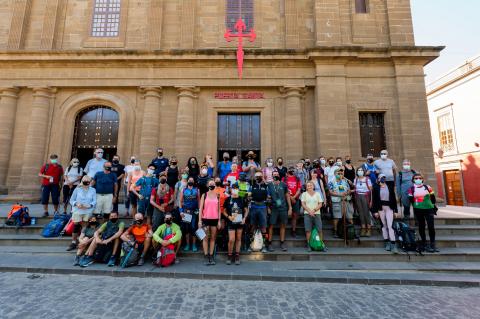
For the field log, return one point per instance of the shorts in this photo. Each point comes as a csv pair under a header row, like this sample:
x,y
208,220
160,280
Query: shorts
x,y
309,221
258,217
337,210
144,207
54,191
296,207
67,193
158,218
233,227
209,222
190,228
104,204
79,216
133,199
278,216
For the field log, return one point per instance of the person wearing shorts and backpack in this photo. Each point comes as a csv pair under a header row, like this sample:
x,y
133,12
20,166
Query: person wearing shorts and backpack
x,y
280,209
209,219
86,238
188,205
51,174
141,233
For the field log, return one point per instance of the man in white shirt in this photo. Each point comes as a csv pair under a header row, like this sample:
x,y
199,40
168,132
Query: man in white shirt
x,y
128,169
96,164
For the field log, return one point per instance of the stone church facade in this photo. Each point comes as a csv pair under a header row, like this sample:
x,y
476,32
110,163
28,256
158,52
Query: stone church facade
x,y
330,77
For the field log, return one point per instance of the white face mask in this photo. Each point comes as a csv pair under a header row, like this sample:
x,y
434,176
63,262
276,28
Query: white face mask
x,y
383,156
406,167
269,164
75,165
150,171
137,168
339,163
360,173
99,155
204,171
322,161
235,192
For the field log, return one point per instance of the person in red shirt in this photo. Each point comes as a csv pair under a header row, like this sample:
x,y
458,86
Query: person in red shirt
x,y
295,189
162,201
51,174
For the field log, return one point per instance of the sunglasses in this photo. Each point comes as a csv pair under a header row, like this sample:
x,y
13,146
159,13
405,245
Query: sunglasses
x,y
99,152
383,154
76,162
418,178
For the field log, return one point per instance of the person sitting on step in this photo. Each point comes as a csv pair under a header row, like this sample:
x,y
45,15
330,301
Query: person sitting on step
x,y
142,234
86,238
168,230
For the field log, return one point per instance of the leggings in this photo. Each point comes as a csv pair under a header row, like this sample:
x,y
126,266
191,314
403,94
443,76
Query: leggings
x,y
386,215
422,216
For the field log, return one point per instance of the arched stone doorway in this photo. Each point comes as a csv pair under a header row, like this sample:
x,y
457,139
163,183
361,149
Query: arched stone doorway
x,y
95,126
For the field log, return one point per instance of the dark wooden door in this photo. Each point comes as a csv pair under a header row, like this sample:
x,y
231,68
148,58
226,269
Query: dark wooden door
x,y
238,134
372,133
95,127
453,188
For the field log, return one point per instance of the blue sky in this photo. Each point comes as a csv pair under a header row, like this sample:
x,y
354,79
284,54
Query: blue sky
x,y
453,23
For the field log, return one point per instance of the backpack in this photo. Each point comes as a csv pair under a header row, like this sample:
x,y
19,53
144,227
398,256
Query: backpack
x,y
348,228
406,236
315,242
257,242
103,253
18,216
400,174
166,255
55,227
130,254
46,168
68,231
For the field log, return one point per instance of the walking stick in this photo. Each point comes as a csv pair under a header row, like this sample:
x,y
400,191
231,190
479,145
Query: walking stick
x,y
344,223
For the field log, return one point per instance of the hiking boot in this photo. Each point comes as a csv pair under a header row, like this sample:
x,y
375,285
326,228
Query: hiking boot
x,y
45,214
388,247
76,261
394,249
363,232
237,259
368,232
270,249
432,248
229,260
186,248
111,261
283,247
264,249
72,246
212,260
207,260
194,248
141,261
86,261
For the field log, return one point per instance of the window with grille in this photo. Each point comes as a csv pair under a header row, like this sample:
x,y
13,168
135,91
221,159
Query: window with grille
x,y
372,133
445,131
239,9
106,18
361,6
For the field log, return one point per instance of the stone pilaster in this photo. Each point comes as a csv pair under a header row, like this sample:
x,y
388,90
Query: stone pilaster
x,y
36,140
291,24
327,22
187,26
185,122
151,122
19,23
155,23
293,122
50,23
8,108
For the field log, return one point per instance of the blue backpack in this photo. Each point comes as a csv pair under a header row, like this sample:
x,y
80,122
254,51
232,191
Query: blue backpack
x,y
55,227
18,216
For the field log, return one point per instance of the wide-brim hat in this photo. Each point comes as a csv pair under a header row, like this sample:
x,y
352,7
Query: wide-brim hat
x,y
252,154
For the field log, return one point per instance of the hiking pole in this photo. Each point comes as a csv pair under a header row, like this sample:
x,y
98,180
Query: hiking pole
x,y
344,208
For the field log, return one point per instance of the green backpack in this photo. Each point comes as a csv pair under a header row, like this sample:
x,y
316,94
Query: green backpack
x,y
315,242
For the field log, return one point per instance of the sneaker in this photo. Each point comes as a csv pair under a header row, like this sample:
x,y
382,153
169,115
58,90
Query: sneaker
x,y
207,260
86,261
45,214
72,246
264,249
186,248
237,259
76,261
363,232
141,261
194,248
229,260
111,261
388,247
336,235
212,261
394,249
309,249
283,247
249,250
432,248
368,233
294,234
270,249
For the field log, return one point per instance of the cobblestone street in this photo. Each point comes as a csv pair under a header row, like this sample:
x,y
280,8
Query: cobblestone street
x,y
70,296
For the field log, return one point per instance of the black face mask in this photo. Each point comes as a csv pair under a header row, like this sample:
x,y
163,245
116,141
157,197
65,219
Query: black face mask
x,y
114,220
218,183
160,154
115,162
132,161
370,160
173,163
190,183
249,156
331,163
276,178
86,183
93,223
108,169
226,159
348,161
163,181
307,163
139,221
211,187
168,221
291,172
259,179
280,163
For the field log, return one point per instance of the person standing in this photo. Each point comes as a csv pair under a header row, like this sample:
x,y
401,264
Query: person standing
x,y
202,180
282,170
128,171
258,207
209,219
363,200
268,170
178,190
224,167
280,209
172,172
340,193
387,167
302,174
193,168
404,184
250,166
105,184
161,199
312,203
83,201
96,164
423,201
232,177
119,170
51,174
330,170
384,207
208,162
189,203
71,180
295,189
349,169
160,162
370,170
133,177
146,183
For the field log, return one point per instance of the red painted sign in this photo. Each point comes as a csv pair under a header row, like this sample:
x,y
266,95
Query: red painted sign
x,y
239,96
240,27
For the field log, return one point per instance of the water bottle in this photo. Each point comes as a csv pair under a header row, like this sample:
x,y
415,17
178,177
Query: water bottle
x,y
33,221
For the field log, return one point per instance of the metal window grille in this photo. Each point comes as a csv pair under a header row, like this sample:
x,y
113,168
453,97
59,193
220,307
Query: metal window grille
x,y
106,18
239,9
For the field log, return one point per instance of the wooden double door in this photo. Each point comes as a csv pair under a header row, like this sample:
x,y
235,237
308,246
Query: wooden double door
x,y
238,134
453,188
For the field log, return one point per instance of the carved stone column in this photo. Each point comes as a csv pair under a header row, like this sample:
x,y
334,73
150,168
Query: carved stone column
x,y
185,119
151,122
293,122
8,108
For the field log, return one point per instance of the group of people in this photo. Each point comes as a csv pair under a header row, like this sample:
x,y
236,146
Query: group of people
x,y
191,205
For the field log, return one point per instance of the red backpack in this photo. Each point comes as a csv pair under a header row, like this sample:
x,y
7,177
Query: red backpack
x,y
166,255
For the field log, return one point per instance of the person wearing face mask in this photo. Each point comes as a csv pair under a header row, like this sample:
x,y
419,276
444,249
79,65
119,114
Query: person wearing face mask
x,y
312,202
233,176
128,171
146,183
96,164
71,180
141,233
404,183
243,187
280,209
302,174
387,167
119,170
384,207
295,189
330,170
363,200
188,205
221,192
340,193
224,167
83,201
178,190
370,170
250,166
106,185
51,174
85,239
349,169
160,162
203,179
307,164
106,242
258,206
168,234
209,219
422,198
208,162
236,214
323,162
268,170
133,178
193,168
161,200
282,170
172,172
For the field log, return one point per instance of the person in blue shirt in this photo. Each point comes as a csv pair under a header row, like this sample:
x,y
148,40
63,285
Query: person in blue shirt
x,y
146,184
106,185
96,164
188,206
160,162
224,167
370,170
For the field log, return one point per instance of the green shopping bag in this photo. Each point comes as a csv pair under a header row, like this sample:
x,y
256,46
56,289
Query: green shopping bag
x,y
315,242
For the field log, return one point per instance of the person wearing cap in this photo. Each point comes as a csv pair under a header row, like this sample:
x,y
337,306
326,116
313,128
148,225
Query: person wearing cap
x,y
160,162
387,167
250,166
51,174
340,193
224,167
85,239
384,206
106,185
280,209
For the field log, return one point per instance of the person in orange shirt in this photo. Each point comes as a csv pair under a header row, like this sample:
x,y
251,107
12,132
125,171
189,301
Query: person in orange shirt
x,y
142,232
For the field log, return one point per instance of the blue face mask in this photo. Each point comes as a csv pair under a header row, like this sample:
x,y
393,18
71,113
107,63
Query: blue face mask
x,y
418,182
53,161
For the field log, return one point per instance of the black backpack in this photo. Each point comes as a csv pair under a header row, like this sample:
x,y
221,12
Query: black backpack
x,y
406,236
